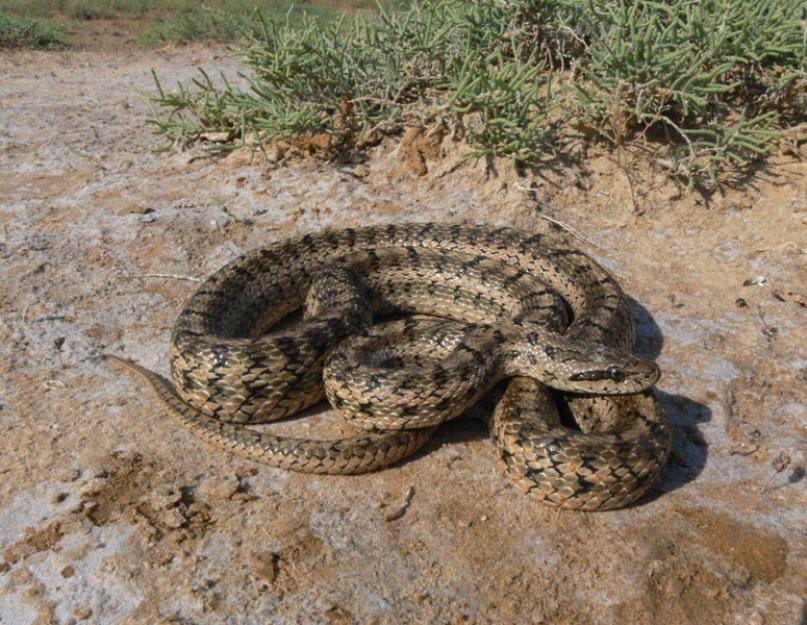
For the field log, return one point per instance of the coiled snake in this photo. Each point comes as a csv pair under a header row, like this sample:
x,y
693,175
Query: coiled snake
x,y
501,305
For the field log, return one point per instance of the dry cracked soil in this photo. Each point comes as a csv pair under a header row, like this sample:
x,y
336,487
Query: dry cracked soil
x,y
111,513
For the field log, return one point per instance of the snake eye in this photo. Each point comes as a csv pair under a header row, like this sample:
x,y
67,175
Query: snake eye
x,y
615,373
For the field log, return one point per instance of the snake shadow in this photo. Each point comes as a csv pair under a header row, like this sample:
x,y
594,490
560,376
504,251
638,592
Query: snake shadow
x,y
468,427
690,450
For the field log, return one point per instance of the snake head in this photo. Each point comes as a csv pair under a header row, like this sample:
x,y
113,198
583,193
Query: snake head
x,y
611,372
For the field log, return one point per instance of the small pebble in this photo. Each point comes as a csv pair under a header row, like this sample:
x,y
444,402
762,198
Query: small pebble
x,y
92,487
97,471
361,171
219,487
70,475
173,518
274,153
758,281
164,497
756,619
265,566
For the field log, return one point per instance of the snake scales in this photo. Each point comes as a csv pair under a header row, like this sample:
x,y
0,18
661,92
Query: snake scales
x,y
502,305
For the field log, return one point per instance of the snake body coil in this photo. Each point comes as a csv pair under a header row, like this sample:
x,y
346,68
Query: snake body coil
x,y
502,304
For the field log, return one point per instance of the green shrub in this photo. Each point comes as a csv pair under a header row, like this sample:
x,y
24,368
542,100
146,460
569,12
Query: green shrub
x,y
23,32
201,23
84,9
707,86
234,21
718,78
417,66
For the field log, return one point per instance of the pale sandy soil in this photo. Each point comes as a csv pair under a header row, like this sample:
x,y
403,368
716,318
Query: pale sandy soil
x,y
111,513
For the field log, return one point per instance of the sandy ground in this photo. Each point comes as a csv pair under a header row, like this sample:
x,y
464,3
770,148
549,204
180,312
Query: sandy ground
x,y
111,513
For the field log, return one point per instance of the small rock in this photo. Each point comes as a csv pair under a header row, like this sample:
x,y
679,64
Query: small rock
x,y
244,471
70,475
265,566
173,518
219,487
274,153
198,508
137,209
369,138
91,488
98,471
758,281
215,137
361,171
756,619
82,613
164,497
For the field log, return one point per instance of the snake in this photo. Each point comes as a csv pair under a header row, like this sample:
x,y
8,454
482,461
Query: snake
x,y
405,326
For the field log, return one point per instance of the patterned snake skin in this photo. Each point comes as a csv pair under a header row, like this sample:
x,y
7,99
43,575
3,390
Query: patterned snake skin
x,y
501,305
